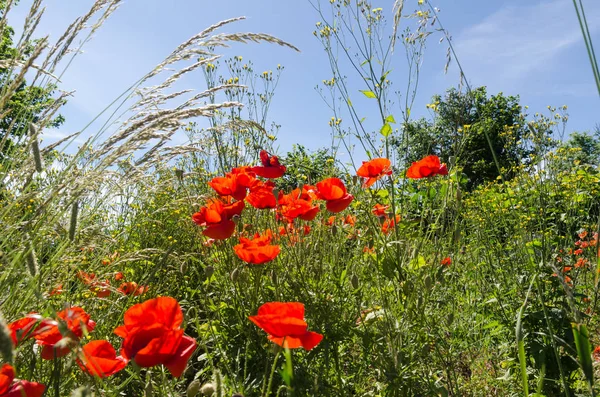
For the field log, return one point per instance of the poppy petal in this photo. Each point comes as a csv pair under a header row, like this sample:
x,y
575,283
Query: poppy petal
x,y
178,361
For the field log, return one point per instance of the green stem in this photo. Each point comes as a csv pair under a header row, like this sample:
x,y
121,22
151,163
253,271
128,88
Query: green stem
x,y
266,394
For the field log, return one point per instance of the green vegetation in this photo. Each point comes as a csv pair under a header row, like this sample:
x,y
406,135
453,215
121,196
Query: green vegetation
x,y
475,277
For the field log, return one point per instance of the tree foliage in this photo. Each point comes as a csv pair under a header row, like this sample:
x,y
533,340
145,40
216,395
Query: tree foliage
x,y
26,103
460,129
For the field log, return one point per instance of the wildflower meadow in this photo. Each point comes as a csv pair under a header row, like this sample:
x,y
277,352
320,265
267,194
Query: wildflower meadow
x,y
454,254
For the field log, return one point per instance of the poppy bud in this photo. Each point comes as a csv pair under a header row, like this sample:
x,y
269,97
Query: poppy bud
x,y
208,271
334,230
193,388
354,179
183,268
450,318
235,274
354,281
427,282
207,390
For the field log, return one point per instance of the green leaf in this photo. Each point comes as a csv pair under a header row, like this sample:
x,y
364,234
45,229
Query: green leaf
x,y
417,262
386,130
584,351
390,119
369,94
349,102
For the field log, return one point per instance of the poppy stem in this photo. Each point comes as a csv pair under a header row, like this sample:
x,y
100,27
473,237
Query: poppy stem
x,y
273,371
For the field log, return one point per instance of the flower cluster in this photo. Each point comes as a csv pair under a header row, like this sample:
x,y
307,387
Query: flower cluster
x,y
152,336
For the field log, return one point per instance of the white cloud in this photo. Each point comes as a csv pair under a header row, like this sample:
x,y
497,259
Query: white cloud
x,y
514,43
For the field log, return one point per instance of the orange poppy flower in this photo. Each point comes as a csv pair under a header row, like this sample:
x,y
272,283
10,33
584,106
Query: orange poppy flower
x,y
20,388
369,250
258,250
374,170
284,322
57,290
119,276
389,224
427,167
380,210
330,221
75,319
297,204
101,288
26,327
261,195
131,288
334,192
270,166
87,278
152,335
216,216
234,183
99,358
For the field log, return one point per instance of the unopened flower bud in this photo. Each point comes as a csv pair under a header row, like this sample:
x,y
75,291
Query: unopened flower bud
x,y
208,389
354,281
193,388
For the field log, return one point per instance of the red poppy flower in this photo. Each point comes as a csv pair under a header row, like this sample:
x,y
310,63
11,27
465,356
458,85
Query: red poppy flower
x,y
350,220
99,358
297,204
27,327
101,289
76,320
21,388
152,335
389,224
57,290
334,192
330,221
119,276
261,195
216,216
374,170
234,183
427,167
447,261
131,288
380,210
87,278
258,250
284,322
270,166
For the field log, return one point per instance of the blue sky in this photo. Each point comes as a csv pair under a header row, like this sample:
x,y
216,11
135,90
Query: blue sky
x,y
532,48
